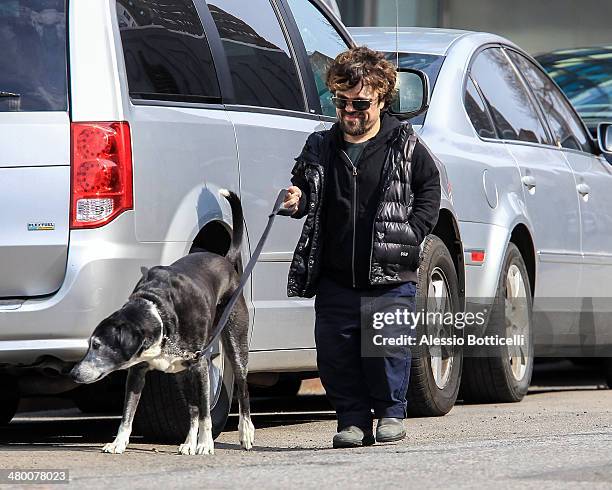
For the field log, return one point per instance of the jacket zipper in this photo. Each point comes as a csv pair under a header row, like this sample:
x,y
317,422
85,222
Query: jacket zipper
x,y
354,212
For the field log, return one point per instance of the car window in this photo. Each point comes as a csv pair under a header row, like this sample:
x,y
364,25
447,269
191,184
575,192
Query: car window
x,y
564,123
584,75
166,53
477,111
513,113
33,60
322,42
262,70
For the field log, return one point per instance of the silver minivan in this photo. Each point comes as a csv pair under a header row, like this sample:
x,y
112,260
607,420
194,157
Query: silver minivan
x,y
120,120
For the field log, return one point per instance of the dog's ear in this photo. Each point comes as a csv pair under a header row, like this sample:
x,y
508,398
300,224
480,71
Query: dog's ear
x,y
144,271
131,340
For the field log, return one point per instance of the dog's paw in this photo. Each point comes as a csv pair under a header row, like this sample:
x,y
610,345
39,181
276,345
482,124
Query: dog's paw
x,y
187,448
206,444
246,433
116,447
206,447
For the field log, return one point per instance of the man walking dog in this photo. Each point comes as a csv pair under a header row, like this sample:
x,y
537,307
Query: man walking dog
x,y
370,192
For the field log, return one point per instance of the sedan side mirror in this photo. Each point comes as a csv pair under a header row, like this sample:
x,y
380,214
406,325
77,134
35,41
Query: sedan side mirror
x,y
604,138
412,94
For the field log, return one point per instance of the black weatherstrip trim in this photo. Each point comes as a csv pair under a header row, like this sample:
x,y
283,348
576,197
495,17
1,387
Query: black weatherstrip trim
x,y
331,119
224,76
270,110
177,103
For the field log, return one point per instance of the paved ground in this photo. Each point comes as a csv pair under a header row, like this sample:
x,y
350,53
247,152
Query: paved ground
x,y
560,435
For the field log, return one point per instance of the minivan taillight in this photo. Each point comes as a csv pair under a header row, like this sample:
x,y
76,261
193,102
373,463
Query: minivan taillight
x,y
101,172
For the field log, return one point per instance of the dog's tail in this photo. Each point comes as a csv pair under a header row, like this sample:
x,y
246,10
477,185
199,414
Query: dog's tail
x,y
233,254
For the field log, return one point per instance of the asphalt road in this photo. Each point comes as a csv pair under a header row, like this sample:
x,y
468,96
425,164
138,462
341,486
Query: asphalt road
x,y
559,436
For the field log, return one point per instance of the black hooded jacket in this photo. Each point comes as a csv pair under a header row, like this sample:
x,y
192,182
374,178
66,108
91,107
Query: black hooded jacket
x,y
364,223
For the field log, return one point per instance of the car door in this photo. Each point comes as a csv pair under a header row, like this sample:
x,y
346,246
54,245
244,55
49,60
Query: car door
x,y
271,121
35,148
594,191
549,186
182,138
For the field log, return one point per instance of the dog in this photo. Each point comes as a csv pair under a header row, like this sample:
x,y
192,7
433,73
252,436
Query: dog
x,y
166,321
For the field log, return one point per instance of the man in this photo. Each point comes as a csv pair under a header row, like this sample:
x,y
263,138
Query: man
x,y
370,193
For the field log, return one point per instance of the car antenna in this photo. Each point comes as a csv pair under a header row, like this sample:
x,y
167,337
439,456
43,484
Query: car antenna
x,y
396,34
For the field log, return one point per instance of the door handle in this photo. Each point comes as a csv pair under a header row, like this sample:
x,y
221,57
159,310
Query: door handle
x,y
583,189
529,181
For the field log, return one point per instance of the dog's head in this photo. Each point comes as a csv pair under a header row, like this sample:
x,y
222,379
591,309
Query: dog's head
x,y
117,341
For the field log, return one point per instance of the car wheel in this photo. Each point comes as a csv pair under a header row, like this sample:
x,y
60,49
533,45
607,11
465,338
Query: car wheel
x,y
435,371
9,399
163,414
504,374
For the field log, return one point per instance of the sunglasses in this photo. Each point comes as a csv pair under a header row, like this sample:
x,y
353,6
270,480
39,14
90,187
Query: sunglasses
x,y
358,104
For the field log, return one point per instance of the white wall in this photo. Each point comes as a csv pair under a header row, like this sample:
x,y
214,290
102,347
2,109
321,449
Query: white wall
x,y
411,12
536,25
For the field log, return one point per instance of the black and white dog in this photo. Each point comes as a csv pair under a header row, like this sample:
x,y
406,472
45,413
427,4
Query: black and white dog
x,y
168,318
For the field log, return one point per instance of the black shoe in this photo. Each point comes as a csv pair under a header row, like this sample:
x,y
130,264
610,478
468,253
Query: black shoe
x,y
390,430
352,436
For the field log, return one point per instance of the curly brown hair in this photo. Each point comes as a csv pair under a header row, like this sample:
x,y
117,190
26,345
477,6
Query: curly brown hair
x,y
365,65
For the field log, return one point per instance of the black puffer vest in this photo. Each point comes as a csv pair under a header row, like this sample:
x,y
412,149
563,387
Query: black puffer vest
x,y
394,257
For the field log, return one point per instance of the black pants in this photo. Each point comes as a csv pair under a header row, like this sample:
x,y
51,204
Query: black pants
x,y
355,384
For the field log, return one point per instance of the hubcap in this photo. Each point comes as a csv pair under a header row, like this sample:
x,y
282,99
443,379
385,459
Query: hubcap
x,y
517,321
215,370
438,301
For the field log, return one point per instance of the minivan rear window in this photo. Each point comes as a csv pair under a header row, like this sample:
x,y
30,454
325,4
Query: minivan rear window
x,y
33,56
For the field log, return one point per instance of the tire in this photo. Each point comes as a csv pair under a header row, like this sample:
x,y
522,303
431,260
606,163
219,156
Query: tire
x,y
9,399
498,378
434,384
163,415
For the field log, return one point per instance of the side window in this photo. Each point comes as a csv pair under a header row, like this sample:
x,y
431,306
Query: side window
x,y
322,43
513,112
262,70
564,123
33,59
477,111
167,56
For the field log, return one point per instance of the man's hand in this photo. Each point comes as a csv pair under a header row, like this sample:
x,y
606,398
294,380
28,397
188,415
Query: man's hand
x,y
292,198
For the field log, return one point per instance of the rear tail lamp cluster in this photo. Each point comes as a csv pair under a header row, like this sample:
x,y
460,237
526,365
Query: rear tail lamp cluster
x,y
101,173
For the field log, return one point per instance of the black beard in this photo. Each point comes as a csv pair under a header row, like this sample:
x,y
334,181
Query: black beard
x,y
358,128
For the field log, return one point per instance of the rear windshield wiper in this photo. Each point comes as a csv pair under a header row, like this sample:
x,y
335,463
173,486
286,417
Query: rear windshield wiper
x,y
9,94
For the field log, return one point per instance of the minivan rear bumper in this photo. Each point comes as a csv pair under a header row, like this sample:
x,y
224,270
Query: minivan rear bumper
x,y
102,269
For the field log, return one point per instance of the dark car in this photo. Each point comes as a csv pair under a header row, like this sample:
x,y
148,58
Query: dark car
x,y
585,75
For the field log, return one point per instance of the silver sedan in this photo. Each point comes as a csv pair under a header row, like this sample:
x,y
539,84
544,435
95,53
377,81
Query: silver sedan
x,y
532,191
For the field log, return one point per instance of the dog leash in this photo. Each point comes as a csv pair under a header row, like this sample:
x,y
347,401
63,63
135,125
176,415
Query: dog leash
x,y
278,209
